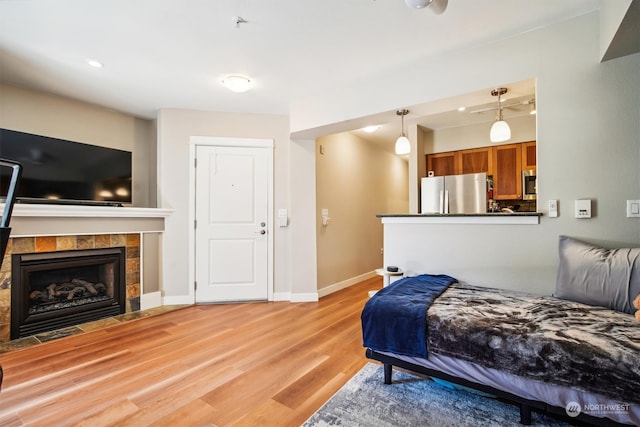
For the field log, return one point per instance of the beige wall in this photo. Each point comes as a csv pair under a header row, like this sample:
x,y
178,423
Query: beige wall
x,y
355,180
53,116
175,127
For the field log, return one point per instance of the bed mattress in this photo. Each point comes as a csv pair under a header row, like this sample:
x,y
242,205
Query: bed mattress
x,y
541,338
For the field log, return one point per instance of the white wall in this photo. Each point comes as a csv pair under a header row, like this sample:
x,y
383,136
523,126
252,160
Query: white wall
x,y
175,127
588,147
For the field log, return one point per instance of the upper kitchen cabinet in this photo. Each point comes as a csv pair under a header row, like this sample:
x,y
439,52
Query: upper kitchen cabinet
x,y
507,180
476,160
528,155
442,163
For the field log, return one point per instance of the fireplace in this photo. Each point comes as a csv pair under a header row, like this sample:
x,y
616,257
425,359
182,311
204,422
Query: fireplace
x,y
53,290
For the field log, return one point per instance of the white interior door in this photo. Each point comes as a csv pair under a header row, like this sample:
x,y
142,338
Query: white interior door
x,y
232,218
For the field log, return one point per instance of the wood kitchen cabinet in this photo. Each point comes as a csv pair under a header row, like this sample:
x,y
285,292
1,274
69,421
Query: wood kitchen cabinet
x,y
442,163
507,179
504,163
528,155
476,160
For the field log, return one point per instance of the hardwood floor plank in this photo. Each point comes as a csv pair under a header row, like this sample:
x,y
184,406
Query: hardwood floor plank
x,y
269,364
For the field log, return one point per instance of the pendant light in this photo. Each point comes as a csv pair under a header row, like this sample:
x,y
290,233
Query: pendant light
x,y
403,146
500,131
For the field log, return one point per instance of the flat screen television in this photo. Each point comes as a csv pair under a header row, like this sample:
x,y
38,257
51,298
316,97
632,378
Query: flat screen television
x,y
59,171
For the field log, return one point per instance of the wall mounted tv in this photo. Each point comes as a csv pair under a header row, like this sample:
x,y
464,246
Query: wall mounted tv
x,y
59,171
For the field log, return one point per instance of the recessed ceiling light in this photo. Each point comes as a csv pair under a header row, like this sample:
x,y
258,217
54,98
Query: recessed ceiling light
x,y
95,63
371,129
461,109
237,83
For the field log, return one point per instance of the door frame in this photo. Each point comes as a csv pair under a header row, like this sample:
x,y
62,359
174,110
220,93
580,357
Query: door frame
x,y
194,142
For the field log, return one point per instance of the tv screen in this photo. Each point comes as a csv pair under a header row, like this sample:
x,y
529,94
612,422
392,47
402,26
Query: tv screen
x,y
55,170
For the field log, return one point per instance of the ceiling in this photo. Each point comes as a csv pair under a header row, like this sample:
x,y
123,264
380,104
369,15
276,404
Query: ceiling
x,y
173,53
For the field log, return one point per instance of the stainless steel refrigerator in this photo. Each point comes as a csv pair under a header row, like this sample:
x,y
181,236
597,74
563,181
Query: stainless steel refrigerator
x,y
454,194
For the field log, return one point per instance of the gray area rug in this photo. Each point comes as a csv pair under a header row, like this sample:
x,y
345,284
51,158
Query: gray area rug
x,y
414,401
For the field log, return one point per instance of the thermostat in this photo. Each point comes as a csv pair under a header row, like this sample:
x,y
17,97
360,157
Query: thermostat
x,y
583,208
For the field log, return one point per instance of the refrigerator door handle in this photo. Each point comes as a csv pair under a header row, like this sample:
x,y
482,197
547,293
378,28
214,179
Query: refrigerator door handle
x,y
446,202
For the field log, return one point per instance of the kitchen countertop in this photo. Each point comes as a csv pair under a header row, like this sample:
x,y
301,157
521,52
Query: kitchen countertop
x,y
460,214
495,218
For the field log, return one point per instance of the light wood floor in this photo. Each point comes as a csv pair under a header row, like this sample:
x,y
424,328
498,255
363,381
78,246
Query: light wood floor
x,y
256,364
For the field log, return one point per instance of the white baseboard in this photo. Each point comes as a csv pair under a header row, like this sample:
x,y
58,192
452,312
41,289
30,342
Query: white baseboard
x,y
282,296
306,297
150,300
178,300
344,284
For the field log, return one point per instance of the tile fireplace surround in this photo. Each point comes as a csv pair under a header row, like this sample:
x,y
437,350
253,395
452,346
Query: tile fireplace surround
x,y
21,245
52,228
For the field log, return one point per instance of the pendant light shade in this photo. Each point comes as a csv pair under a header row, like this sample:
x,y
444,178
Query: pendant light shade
x,y
500,130
403,146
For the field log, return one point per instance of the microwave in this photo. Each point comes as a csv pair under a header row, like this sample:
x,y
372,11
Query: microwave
x,y
529,184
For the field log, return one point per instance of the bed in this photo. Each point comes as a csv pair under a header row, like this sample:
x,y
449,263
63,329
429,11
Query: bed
x,y
575,354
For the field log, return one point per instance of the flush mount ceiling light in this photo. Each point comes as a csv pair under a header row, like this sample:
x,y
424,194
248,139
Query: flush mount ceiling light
x,y
95,63
236,83
436,6
500,131
403,146
371,129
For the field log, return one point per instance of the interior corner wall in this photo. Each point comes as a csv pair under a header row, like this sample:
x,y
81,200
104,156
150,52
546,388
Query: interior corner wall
x,y
588,143
355,180
175,127
53,116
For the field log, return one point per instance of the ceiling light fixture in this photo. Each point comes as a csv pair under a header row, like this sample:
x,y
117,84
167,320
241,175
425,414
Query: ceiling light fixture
x,y
371,129
403,146
95,63
236,83
436,6
500,131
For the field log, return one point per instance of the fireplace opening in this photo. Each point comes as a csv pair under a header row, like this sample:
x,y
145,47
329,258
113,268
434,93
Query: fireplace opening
x,y
54,290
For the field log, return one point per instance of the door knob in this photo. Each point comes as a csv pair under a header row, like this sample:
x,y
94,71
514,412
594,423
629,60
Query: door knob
x,y
263,231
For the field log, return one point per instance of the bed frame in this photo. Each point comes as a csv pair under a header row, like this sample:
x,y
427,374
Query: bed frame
x,y
526,406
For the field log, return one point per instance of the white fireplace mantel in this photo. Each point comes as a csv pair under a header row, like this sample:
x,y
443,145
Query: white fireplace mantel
x,y
48,220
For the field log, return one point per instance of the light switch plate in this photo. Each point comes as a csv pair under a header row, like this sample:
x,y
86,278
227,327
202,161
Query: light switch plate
x,y
583,208
553,208
633,208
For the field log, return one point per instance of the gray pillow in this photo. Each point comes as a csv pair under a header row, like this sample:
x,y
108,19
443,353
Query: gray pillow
x,y
598,276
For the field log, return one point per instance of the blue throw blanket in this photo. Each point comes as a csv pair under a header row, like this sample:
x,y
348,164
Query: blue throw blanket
x,y
395,318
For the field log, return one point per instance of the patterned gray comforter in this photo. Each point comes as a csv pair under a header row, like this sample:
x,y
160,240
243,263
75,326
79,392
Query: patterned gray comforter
x,y
544,338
